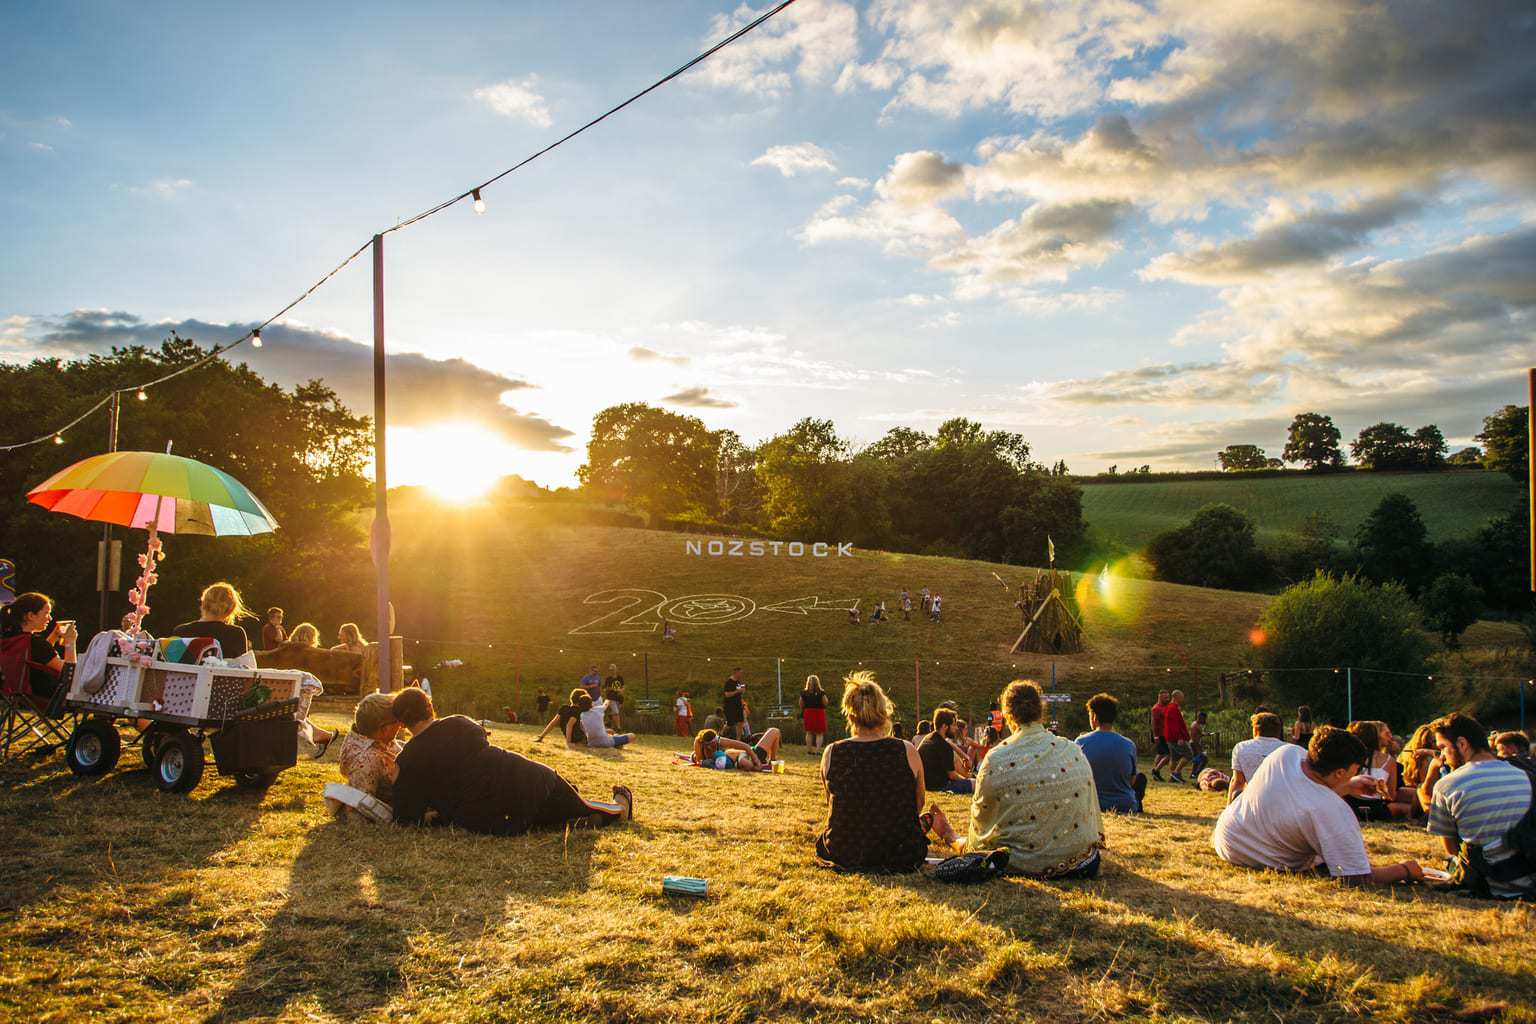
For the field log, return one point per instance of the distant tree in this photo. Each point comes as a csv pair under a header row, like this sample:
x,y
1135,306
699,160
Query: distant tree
x,y
654,459
1430,447
1314,548
1217,548
1240,457
1506,441
1469,456
1451,604
737,495
1060,468
898,443
1274,464
1314,629
1113,470
1144,471
1392,544
1501,567
1385,446
1313,441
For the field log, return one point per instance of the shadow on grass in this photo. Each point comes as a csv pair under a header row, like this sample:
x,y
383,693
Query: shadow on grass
x,y
64,830
358,898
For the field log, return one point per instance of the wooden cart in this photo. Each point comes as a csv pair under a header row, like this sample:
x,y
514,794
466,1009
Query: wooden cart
x,y
246,715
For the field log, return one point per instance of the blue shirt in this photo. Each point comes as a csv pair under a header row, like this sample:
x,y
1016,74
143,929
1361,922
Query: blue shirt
x,y
1479,803
593,682
1113,760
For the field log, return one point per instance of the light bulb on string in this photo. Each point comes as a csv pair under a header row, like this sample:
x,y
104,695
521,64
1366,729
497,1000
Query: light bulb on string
x,y
256,338
479,203
58,438
143,395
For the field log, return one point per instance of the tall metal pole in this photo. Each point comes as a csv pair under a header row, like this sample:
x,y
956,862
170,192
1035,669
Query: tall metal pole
x,y
380,476
1530,466
106,531
1349,694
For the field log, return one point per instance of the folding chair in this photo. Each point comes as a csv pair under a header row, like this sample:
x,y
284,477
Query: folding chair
x,y
30,724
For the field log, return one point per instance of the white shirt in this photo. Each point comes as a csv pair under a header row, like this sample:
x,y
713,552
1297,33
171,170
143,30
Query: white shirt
x,y
593,725
1249,754
683,711
1284,820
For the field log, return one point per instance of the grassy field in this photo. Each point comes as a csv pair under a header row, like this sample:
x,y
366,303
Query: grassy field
x,y
1452,503
502,595
121,904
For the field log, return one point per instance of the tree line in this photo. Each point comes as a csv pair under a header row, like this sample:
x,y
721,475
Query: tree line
x,y
962,490
1314,442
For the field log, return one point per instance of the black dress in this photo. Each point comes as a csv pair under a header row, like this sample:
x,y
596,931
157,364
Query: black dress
x,y
231,638
452,768
872,824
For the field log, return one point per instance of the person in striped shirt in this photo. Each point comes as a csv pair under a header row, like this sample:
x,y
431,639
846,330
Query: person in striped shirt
x,y
1478,802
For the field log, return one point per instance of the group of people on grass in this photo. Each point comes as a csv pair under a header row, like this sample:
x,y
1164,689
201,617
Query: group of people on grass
x,y
1038,796
349,637
932,609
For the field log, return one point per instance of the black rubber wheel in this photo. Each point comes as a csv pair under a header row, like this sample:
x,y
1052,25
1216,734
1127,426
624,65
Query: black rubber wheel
x,y
179,762
149,744
93,747
256,778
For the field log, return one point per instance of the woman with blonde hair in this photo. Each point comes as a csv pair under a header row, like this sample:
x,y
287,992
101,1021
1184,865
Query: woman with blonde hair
x,y
1035,796
813,713
351,639
221,605
874,786
306,633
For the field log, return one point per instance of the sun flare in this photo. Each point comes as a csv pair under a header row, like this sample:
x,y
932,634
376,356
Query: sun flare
x,y
455,461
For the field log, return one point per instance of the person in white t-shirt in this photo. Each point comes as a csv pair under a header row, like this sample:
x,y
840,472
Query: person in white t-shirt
x,y
683,708
1268,731
594,724
1292,816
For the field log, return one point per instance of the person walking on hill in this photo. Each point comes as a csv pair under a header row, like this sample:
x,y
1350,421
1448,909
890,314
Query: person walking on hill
x,y
1159,735
684,716
906,605
937,614
732,700
1176,732
927,601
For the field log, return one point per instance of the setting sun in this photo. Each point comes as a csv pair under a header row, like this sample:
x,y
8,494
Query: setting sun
x,y
455,461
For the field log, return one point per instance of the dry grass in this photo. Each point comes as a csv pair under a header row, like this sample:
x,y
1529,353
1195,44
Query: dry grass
x,y
118,903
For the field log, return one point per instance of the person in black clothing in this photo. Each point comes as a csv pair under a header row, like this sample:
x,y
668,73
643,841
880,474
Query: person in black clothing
x,y
543,703
450,774
32,614
731,700
938,756
568,720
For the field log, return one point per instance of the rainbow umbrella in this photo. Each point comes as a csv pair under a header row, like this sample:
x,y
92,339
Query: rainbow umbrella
x,y
153,490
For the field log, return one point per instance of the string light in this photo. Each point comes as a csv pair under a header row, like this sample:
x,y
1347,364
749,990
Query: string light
x,y
143,395
479,203
256,338
58,438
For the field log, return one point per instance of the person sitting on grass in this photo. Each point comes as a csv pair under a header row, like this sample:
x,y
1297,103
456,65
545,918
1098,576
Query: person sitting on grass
x,y
1383,803
1248,755
594,724
944,768
1035,796
1292,817
1197,745
1413,764
450,774
716,720
874,787
1112,758
568,720
1513,747
1474,807
712,750
368,754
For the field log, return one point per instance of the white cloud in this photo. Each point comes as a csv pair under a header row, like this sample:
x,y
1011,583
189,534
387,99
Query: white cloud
x,y
790,160
162,188
62,122
858,183
811,41
518,100
41,147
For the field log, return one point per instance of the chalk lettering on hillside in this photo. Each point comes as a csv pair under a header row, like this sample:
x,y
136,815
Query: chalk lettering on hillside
x,y
806,605
709,609
642,611
767,549
615,621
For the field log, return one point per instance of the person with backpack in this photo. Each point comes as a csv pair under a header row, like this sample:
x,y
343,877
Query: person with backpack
x,y
1481,809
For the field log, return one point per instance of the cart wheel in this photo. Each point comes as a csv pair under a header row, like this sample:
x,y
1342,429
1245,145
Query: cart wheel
x,y
93,747
179,762
256,778
149,744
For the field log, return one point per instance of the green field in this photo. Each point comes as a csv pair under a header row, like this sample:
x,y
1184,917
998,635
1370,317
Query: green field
x,y
120,903
514,597
1453,504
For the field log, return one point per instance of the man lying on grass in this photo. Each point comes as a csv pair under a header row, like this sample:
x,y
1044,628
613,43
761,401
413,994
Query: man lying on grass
x,y
450,774
1292,816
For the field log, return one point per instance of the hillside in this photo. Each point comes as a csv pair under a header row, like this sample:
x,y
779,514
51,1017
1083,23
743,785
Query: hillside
x,y
503,592
1452,503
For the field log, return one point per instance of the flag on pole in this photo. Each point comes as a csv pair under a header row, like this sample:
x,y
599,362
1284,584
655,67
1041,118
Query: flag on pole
x,y
1050,548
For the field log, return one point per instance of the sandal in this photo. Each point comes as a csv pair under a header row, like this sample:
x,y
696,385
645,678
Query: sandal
x,y
628,801
321,748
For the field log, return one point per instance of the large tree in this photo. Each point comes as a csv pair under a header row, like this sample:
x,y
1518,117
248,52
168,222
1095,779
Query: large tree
x,y
1242,457
1385,446
1506,441
1392,544
1429,446
653,459
1217,548
1313,441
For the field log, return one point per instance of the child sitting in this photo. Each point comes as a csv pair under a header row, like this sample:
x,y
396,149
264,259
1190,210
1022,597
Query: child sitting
x,y
368,753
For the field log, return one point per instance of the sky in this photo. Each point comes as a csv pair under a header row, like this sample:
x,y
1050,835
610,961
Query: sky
x,y
1134,232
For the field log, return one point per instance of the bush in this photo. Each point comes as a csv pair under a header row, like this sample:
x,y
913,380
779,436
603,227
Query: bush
x,y
1451,604
1216,549
1327,623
